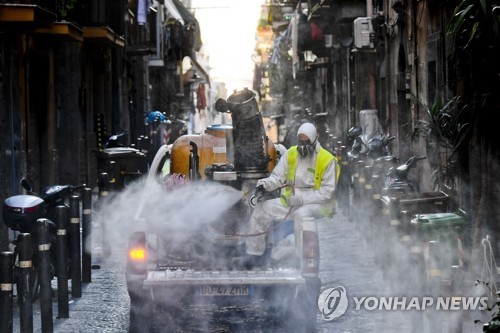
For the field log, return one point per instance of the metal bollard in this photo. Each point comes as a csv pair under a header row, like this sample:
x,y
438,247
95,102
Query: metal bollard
x,y
394,213
114,173
103,201
417,270
75,246
344,182
103,184
61,220
87,235
355,180
434,282
367,199
139,144
456,317
154,131
6,292
44,275
24,273
376,206
359,183
147,144
377,183
405,242
103,191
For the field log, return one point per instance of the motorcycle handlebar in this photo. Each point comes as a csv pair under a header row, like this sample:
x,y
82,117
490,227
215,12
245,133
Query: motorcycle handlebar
x,y
413,160
79,187
57,192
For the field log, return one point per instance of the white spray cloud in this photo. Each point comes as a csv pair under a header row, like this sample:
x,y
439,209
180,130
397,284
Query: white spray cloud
x,y
140,206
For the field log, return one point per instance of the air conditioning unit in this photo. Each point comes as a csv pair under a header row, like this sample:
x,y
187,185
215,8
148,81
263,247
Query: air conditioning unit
x,y
363,33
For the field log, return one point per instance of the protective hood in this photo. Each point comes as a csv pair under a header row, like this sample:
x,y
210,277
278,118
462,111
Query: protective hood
x,y
309,130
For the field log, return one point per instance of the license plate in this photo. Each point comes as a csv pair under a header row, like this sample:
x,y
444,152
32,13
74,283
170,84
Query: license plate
x,y
221,290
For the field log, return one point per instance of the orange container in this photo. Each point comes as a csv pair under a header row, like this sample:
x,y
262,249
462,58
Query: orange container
x,y
215,146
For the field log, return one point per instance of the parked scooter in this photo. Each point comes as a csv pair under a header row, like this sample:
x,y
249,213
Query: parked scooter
x,y
376,147
375,154
379,147
397,181
355,141
21,212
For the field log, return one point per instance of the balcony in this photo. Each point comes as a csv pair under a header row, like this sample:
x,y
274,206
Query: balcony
x,y
14,16
62,31
97,21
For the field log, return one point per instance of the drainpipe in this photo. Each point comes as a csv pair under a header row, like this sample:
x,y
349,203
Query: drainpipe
x,y
415,60
372,84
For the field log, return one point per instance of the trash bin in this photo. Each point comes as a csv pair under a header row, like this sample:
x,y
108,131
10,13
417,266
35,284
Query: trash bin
x,y
122,164
447,229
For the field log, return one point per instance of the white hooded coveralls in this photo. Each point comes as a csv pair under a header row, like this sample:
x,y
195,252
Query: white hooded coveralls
x,y
267,211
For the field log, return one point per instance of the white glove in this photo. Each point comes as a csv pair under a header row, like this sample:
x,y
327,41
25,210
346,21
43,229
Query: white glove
x,y
264,182
295,200
280,150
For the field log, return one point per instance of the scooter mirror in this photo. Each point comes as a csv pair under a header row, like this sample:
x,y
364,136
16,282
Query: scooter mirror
x,y
26,185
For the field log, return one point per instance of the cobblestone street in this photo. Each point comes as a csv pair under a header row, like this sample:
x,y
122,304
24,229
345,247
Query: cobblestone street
x,y
346,261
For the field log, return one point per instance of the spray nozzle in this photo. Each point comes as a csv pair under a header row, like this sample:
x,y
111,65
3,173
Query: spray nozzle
x,y
257,196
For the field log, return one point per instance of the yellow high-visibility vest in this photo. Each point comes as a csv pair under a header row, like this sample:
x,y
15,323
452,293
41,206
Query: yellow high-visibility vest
x,y
322,162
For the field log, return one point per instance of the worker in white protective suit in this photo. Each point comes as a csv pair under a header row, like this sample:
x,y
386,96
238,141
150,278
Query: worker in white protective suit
x,y
307,175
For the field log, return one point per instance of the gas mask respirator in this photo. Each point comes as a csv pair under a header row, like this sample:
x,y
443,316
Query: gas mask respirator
x,y
306,148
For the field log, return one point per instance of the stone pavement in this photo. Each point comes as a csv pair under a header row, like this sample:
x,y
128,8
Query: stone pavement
x,y
104,304
346,260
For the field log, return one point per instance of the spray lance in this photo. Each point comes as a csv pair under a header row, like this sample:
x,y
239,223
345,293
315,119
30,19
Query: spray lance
x,y
260,194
